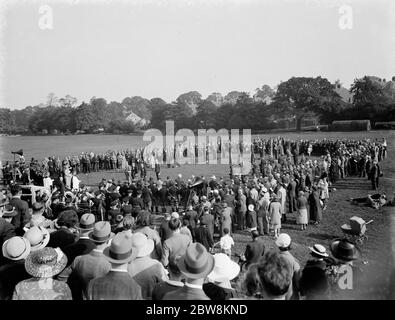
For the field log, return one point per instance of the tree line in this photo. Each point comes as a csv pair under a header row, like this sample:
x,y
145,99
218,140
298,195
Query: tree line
x,y
290,103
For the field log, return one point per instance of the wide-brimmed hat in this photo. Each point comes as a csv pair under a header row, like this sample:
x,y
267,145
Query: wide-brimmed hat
x,y
224,268
45,263
121,250
142,244
250,207
38,237
319,250
197,262
9,211
16,248
343,249
87,222
283,240
101,232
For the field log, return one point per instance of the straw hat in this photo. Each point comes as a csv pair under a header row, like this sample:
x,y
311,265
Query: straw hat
x,y
224,268
121,250
197,262
319,250
38,237
16,248
283,240
45,263
142,244
9,211
87,222
101,232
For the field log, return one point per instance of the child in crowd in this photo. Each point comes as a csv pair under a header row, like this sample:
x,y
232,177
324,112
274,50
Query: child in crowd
x,y
226,242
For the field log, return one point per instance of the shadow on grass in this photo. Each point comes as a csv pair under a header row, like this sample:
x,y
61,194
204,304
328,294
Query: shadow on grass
x,y
322,236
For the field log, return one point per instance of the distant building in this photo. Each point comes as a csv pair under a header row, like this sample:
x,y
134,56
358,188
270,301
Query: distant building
x,y
136,120
344,93
388,87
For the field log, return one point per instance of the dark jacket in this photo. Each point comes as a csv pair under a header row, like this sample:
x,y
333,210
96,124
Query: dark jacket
x,y
254,250
164,231
114,286
208,219
7,231
11,274
23,215
61,238
164,287
186,293
215,292
204,236
79,248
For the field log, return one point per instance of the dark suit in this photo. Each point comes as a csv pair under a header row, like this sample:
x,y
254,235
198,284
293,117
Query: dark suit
x,y
204,236
208,219
61,238
84,269
164,231
186,293
254,250
115,285
79,248
23,215
7,231
191,216
11,274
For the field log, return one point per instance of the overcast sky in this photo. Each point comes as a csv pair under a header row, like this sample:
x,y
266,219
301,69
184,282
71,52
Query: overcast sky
x,y
164,48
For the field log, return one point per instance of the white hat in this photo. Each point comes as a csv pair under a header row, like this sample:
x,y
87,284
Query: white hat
x,y
251,207
38,237
224,268
283,240
175,215
319,250
16,248
143,245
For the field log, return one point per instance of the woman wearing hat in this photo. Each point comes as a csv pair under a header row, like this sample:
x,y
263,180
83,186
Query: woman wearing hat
x,y
12,271
314,281
38,237
275,213
66,232
251,218
302,214
43,265
219,286
315,205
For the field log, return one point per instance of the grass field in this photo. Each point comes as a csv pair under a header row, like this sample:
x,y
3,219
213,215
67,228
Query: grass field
x,y
377,250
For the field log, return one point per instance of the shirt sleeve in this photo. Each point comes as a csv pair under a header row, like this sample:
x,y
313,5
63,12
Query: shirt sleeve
x,y
165,255
15,295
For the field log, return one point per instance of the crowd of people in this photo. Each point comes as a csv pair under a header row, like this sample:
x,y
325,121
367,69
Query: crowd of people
x,y
168,239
